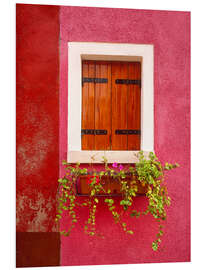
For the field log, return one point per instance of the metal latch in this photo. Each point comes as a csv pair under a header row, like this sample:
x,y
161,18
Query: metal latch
x,y
94,80
127,81
93,132
127,131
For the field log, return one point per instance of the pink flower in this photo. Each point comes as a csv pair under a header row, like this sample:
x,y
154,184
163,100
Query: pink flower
x,y
115,165
120,167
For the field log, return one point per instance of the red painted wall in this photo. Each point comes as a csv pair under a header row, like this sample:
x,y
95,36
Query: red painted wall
x,y
170,34
37,116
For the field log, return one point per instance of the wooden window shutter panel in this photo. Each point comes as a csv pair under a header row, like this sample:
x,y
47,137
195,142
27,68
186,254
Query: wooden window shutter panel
x,y
96,105
134,105
119,105
88,105
103,105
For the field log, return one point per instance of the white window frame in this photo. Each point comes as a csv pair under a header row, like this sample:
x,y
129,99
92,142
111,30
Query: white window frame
x,y
77,51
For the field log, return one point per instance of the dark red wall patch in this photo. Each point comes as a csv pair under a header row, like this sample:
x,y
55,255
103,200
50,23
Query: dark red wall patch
x,y
37,249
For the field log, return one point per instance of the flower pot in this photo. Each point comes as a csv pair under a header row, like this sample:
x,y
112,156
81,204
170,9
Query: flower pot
x,y
108,183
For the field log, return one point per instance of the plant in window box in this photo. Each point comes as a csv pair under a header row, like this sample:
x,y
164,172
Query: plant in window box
x,y
145,176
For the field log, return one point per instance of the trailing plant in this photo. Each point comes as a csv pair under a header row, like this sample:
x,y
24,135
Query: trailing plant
x,y
148,172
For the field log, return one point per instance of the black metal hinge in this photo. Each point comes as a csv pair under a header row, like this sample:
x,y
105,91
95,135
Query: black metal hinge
x,y
127,131
93,132
94,80
127,81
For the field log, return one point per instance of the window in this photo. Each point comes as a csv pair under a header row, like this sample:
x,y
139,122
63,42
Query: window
x,y
121,67
111,94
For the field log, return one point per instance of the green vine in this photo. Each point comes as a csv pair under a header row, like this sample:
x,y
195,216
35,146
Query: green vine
x,y
147,172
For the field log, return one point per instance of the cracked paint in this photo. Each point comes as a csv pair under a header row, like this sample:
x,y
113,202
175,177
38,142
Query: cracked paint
x,y
36,213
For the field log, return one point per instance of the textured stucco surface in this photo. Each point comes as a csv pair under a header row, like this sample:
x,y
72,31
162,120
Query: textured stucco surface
x,y
37,116
169,32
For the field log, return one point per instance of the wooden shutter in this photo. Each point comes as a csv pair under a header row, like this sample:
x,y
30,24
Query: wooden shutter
x,y
111,106
88,105
119,105
96,105
103,105
134,105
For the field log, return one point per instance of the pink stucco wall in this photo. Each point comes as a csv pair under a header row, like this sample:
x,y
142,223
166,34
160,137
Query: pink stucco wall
x,y
169,32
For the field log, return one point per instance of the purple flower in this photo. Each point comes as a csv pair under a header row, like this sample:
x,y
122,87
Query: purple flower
x,y
115,165
120,167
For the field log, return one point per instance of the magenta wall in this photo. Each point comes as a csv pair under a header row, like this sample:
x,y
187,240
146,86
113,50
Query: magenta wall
x,y
169,32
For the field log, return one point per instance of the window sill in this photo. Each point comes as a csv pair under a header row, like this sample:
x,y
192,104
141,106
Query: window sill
x,y
97,156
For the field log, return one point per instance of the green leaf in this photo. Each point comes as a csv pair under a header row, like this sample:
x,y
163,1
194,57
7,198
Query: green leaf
x,y
123,202
64,233
154,246
74,220
130,232
64,162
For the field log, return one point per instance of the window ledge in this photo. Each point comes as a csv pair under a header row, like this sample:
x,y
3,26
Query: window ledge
x,y
97,156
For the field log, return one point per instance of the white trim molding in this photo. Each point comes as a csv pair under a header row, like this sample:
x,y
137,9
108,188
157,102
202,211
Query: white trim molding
x,y
77,51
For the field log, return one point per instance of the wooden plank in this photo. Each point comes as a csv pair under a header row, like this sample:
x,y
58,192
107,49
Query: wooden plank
x,y
134,105
88,105
119,105
103,105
